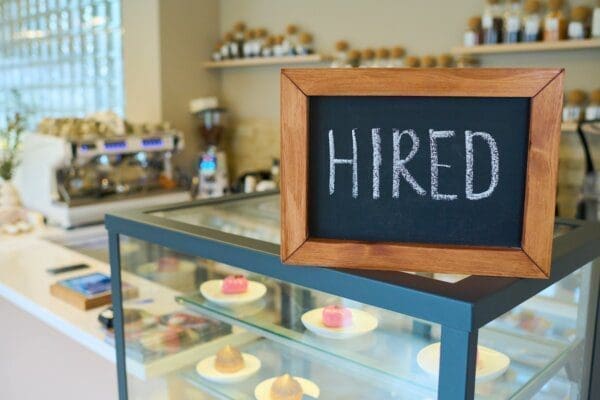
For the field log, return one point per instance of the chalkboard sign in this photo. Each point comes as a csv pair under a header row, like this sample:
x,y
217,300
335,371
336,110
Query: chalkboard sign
x,y
439,170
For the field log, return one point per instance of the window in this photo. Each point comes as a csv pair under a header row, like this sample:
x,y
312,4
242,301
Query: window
x,y
64,57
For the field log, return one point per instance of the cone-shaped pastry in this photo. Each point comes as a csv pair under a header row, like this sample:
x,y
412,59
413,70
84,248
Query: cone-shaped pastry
x,y
229,360
286,388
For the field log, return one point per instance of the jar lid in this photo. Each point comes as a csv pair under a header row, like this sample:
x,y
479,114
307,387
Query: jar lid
x,y
353,55
383,52
398,51
580,13
428,61
228,37
576,96
445,60
341,45
555,5
239,26
291,29
412,62
305,38
595,96
474,23
368,54
532,6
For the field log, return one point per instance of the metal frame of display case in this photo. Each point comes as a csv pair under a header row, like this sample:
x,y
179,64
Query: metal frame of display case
x,y
461,308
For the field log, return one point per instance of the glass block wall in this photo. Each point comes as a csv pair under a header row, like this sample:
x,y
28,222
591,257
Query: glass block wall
x,y
64,57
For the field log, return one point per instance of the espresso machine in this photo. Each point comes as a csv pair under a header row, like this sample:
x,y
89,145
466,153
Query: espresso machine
x,y
213,176
75,181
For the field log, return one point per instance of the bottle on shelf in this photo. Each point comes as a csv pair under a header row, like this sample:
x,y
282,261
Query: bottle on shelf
x,y
412,62
382,58
472,36
249,43
592,111
340,57
398,54
596,20
445,60
261,39
305,44
428,61
216,54
353,58
267,47
290,40
239,33
573,110
532,21
555,22
367,58
512,22
579,27
228,46
492,23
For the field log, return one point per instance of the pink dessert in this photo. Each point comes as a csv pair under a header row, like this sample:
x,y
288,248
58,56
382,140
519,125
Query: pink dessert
x,y
168,264
337,316
234,284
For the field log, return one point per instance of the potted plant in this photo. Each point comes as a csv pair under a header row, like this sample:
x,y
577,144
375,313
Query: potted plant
x,y
10,140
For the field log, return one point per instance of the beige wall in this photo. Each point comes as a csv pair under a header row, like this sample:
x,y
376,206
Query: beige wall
x,y
141,60
423,27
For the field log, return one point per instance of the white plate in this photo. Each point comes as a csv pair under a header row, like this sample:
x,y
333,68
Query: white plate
x,y
206,369
362,323
211,290
493,363
263,389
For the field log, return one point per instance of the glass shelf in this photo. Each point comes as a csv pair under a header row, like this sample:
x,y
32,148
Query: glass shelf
x,y
335,381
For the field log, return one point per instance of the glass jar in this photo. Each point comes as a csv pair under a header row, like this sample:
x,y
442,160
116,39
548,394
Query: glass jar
x,y
472,36
382,58
512,22
267,47
592,111
367,59
579,27
445,60
279,50
340,58
239,33
398,53
412,62
291,39
260,42
228,46
596,20
216,54
428,61
249,43
305,44
353,58
492,23
555,23
573,110
532,21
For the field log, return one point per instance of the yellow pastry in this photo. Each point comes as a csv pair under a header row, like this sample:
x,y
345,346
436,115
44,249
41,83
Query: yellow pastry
x,y
286,388
229,360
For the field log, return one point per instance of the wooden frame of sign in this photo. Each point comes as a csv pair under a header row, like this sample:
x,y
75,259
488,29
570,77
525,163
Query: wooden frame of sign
x,y
544,88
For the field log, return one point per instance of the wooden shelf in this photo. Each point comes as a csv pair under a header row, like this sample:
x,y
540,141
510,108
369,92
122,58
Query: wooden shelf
x,y
527,47
258,61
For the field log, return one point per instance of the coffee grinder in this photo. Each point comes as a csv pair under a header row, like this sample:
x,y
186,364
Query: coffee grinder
x,y
213,178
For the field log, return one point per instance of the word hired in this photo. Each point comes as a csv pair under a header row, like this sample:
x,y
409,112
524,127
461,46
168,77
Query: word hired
x,y
400,169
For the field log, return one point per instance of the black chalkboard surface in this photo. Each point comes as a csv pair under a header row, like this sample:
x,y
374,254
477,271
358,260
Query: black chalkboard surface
x,y
417,213
450,170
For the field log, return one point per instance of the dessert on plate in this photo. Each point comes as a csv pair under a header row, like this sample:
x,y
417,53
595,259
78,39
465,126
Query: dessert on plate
x,y
234,284
229,360
286,388
337,316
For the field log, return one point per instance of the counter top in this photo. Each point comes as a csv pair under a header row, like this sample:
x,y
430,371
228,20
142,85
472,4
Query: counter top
x,y
25,283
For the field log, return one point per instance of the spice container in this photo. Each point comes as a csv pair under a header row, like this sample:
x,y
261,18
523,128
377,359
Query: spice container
x,y
367,58
412,62
472,36
278,48
428,61
353,58
260,42
228,46
340,58
304,45
512,22
596,20
398,54
555,23
592,111
492,23
573,110
249,43
216,54
532,21
445,61
291,39
579,27
382,58
267,47
239,33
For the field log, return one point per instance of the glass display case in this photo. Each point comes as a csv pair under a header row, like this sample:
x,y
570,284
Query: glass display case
x,y
219,316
